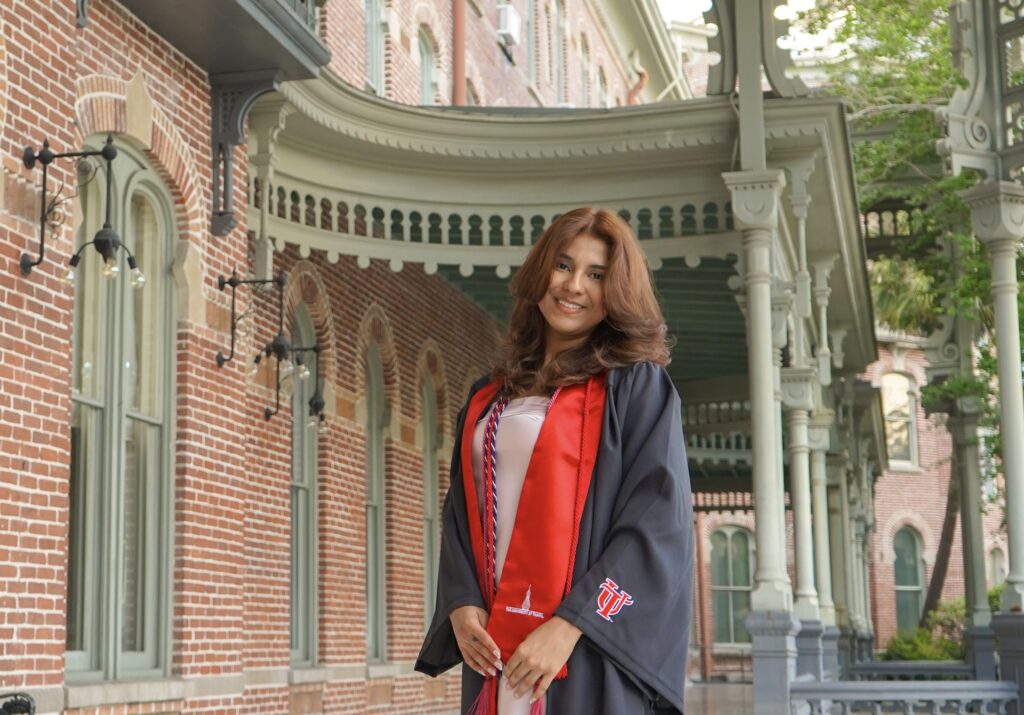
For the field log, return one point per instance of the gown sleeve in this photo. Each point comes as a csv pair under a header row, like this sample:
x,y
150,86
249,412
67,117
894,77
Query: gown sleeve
x,y
457,583
648,551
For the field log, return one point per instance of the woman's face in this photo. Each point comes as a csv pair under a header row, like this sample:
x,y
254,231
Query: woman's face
x,y
574,302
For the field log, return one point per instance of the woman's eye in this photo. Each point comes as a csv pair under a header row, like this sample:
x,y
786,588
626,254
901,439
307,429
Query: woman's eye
x,y
597,276
562,266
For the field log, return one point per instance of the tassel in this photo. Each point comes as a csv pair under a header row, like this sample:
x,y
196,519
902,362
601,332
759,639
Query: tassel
x,y
538,707
486,702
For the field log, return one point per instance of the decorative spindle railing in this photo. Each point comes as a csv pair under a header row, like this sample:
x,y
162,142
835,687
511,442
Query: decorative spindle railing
x,y
901,697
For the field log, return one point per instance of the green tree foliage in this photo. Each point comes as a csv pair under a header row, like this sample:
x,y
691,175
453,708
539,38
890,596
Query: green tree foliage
x,y
893,71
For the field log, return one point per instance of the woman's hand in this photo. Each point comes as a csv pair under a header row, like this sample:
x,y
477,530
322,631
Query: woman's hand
x,y
540,656
478,648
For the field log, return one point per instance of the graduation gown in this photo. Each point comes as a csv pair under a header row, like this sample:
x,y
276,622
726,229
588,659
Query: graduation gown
x,y
636,530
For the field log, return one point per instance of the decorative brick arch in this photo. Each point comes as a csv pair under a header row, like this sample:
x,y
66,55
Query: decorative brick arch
x,y
429,362
375,329
426,16
101,107
305,286
896,522
714,521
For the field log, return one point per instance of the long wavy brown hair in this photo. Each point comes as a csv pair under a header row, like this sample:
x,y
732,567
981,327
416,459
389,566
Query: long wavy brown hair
x,y
633,331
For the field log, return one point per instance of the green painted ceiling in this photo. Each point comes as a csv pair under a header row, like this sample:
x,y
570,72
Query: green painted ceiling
x,y
699,307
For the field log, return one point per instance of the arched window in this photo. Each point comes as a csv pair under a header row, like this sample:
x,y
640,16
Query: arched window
x,y
531,40
303,626
900,405
584,72
602,89
431,497
560,23
907,579
376,422
428,87
732,570
374,46
121,419
472,96
996,567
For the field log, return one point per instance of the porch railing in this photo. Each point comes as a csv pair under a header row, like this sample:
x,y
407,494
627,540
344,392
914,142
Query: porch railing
x,y
911,670
902,697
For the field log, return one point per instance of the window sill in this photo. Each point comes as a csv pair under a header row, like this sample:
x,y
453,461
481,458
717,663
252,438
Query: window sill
x,y
379,671
152,691
732,649
905,467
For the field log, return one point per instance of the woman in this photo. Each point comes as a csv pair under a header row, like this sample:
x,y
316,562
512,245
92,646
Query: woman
x,y
567,549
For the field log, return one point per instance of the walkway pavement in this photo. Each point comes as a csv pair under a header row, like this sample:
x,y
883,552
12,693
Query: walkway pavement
x,y
719,699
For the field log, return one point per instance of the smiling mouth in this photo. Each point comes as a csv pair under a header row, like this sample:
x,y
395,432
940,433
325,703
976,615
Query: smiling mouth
x,y
568,306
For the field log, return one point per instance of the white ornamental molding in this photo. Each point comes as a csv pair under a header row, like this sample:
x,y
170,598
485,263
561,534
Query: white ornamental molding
x,y
798,387
997,210
755,197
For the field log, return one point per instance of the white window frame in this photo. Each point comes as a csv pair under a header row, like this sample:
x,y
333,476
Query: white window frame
x,y
375,40
428,68
910,420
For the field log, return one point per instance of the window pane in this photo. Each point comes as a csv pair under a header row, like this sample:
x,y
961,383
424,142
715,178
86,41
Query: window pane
x,y
740,609
906,570
141,469
719,559
896,395
740,559
88,322
299,571
897,438
85,437
144,322
426,69
908,610
723,619
373,636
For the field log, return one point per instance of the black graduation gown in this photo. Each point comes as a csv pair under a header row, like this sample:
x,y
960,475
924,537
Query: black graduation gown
x,y
636,529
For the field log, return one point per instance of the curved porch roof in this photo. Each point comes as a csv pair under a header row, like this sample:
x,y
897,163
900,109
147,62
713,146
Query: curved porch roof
x,y
464,191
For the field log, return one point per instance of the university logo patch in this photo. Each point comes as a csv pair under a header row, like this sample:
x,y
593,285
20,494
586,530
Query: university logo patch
x,y
612,600
525,609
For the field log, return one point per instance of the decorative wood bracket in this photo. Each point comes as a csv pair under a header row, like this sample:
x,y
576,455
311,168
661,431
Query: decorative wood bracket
x,y
233,97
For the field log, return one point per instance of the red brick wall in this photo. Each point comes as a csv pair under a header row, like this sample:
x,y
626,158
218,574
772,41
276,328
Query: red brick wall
x,y
497,78
915,498
230,571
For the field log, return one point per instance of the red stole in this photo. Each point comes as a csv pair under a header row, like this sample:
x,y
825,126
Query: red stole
x,y
542,551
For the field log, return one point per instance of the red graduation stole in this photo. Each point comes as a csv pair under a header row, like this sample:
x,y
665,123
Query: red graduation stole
x,y
542,552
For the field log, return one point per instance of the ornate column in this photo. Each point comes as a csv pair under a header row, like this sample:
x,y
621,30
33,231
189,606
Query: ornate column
x,y
798,384
771,624
997,213
979,636
818,439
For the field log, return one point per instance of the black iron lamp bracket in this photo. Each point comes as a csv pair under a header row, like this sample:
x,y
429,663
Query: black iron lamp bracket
x,y
233,282
233,97
106,239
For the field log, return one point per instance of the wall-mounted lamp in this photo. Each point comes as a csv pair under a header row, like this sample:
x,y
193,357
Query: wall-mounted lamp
x,y
315,417
279,347
106,241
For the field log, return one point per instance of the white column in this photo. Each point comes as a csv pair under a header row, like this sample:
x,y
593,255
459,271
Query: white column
x,y
755,198
997,213
819,498
797,396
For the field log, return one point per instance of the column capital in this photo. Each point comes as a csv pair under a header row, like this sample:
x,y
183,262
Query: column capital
x,y
798,385
997,211
755,197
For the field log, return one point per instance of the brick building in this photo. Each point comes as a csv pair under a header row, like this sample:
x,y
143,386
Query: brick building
x,y
164,546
